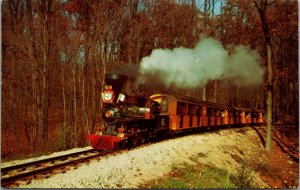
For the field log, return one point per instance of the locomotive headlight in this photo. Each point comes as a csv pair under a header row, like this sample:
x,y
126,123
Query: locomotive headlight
x,y
121,135
107,96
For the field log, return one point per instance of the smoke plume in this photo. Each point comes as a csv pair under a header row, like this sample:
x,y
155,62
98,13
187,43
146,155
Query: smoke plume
x,y
208,60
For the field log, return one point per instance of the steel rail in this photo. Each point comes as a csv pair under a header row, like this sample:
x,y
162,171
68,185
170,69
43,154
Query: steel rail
x,y
46,165
32,163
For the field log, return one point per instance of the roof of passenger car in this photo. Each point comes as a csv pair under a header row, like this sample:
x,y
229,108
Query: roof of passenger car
x,y
190,100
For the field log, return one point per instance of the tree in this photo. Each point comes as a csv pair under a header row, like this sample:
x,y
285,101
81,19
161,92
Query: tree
x,y
262,10
284,34
51,82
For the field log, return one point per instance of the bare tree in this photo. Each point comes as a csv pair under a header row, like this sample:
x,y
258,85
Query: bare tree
x,y
262,10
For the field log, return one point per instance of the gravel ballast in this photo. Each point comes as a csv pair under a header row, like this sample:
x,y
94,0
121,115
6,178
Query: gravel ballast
x,y
133,168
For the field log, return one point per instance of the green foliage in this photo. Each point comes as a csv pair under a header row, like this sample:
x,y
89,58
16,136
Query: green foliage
x,y
173,183
62,138
194,176
264,168
243,179
198,175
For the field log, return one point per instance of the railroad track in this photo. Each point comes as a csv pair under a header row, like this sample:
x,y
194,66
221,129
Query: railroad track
x,y
11,175
43,168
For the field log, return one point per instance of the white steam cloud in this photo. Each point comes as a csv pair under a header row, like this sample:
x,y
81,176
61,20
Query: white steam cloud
x,y
208,60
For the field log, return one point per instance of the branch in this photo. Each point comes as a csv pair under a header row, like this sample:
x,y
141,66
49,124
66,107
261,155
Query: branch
x,y
271,3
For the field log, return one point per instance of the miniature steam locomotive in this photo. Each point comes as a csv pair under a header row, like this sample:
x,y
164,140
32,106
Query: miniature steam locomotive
x,y
128,120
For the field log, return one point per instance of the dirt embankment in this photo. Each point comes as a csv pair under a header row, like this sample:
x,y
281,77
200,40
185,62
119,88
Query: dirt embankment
x,y
282,164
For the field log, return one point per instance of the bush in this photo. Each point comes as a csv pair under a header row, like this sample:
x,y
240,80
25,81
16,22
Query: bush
x,y
243,179
62,138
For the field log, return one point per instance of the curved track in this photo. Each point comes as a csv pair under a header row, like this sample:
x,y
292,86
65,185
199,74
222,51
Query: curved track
x,y
11,175
40,168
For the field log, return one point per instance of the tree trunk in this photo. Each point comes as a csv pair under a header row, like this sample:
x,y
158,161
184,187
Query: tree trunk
x,y
215,91
204,92
84,114
64,105
44,90
12,105
74,108
262,10
269,100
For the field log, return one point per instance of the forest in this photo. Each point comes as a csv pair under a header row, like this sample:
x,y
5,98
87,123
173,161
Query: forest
x,y
55,54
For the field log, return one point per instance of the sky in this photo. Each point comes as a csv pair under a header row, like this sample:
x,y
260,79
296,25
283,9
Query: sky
x,y
217,7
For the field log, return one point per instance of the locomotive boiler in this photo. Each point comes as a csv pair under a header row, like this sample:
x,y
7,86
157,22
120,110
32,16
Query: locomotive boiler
x,y
125,119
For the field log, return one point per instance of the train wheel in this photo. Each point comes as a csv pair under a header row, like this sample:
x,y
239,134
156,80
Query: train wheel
x,y
142,138
146,137
171,134
117,146
123,144
135,141
132,142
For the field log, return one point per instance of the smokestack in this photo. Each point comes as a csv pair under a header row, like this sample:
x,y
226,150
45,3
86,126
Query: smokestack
x,y
117,82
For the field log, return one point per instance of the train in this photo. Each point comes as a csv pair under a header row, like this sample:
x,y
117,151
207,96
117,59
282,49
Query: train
x,y
129,120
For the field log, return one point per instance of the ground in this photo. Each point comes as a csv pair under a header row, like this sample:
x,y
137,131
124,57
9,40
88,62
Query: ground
x,y
233,157
277,169
284,158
